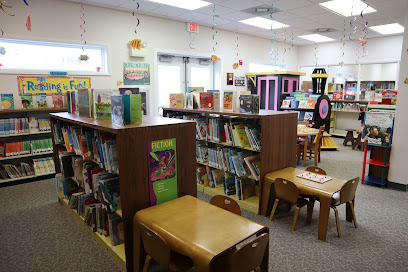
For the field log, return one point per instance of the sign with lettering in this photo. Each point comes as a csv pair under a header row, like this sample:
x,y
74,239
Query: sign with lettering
x,y
51,85
162,171
191,27
136,73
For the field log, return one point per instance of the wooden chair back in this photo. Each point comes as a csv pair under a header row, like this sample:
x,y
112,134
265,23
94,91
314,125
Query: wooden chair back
x,y
226,203
315,169
348,191
249,256
155,246
286,190
319,137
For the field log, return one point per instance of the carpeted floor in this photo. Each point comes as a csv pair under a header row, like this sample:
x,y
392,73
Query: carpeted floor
x,y
38,234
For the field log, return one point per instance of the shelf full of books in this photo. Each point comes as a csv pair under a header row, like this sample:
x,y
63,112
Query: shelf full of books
x,y
303,103
102,172
345,115
234,151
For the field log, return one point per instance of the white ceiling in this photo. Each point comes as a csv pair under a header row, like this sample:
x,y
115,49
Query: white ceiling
x,y
303,16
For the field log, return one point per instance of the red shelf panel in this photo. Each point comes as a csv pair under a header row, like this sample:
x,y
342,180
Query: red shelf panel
x,y
377,162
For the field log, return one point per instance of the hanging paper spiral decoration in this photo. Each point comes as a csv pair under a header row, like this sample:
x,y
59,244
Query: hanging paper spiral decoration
x,y
2,33
236,42
25,2
352,26
215,32
273,54
82,26
316,50
134,14
342,40
284,40
192,38
2,6
291,42
363,39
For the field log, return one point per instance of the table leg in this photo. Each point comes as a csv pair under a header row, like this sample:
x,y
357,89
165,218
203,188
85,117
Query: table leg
x,y
265,260
325,203
305,150
349,213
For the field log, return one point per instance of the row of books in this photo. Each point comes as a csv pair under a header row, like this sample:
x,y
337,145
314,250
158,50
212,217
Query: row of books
x,y
243,187
228,131
17,148
196,98
232,160
98,146
13,171
23,125
28,101
44,165
94,211
102,104
95,180
347,106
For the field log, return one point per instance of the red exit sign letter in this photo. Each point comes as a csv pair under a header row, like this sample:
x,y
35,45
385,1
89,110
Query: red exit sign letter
x,y
191,27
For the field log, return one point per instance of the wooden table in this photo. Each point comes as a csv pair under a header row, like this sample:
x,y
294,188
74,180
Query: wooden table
x,y
324,191
305,133
196,229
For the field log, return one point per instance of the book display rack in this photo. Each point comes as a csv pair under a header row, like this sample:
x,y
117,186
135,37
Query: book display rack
x,y
132,162
277,150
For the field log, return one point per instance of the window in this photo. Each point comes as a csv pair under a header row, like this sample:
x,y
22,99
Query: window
x,y
200,77
169,82
255,67
47,56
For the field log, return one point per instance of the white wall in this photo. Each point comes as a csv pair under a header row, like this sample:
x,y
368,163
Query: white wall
x,y
387,49
59,21
399,153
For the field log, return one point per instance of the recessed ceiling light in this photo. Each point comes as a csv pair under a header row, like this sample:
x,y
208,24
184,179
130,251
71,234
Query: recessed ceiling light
x,y
184,4
263,23
348,7
388,29
316,38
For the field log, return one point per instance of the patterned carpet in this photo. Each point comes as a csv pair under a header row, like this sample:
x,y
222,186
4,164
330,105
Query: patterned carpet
x,y
38,234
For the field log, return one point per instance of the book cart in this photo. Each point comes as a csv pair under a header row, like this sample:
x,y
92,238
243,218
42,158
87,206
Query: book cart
x,y
133,140
27,135
278,147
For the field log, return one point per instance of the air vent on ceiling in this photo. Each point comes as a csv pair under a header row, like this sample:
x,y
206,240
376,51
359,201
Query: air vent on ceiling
x,y
324,30
261,10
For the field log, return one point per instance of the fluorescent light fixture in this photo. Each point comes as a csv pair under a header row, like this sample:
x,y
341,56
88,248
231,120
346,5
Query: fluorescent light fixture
x,y
316,38
348,7
263,23
184,4
388,29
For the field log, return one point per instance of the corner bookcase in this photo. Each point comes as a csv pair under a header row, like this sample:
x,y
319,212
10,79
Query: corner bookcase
x,y
133,153
278,148
26,136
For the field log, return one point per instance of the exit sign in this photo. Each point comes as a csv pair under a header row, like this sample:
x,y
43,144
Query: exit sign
x,y
191,27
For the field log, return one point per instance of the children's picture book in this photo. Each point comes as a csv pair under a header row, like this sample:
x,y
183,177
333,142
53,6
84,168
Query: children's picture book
x,y
84,103
389,97
189,101
228,99
118,110
249,103
338,95
311,103
229,185
303,104
27,101
216,98
285,103
206,101
145,102
162,160
314,177
308,116
217,178
132,108
247,188
195,89
102,104
369,95
177,100
57,101
128,90
378,128
41,100
7,102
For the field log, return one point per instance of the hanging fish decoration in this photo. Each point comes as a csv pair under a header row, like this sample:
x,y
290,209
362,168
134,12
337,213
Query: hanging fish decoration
x,y
235,65
28,22
2,51
119,82
136,44
214,58
83,57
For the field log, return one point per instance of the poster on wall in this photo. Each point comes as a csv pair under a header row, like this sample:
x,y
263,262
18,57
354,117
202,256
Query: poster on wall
x,y
136,73
239,81
51,85
162,170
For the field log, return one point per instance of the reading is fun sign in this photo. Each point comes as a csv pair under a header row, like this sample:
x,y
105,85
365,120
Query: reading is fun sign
x,y
51,85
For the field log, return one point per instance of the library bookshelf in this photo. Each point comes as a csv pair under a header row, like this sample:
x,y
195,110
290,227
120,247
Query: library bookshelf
x,y
31,135
133,153
278,147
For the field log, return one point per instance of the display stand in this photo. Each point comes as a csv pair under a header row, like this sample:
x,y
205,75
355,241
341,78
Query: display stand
x,y
133,141
31,135
378,162
278,147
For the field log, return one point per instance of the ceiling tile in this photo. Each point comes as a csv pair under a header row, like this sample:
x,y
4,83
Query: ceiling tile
x,y
289,4
220,10
193,16
168,11
240,4
238,15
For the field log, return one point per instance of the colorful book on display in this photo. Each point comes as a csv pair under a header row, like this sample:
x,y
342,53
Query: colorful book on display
x,y
27,101
132,108
118,110
195,89
84,103
189,101
206,101
249,103
7,102
311,103
41,100
216,99
177,100
128,90
228,100
229,185
57,101
102,104
286,103
303,104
